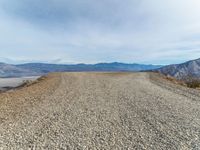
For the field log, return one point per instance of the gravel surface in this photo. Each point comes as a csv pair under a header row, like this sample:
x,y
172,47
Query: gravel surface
x,y
100,111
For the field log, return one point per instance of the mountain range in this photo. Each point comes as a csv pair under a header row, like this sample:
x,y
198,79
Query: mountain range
x,y
189,69
32,69
179,71
7,70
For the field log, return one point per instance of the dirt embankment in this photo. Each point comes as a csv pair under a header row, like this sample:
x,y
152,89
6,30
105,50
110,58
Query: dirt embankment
x,y
17,99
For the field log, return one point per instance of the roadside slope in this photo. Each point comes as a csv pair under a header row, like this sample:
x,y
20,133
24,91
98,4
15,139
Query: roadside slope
x,y
99,110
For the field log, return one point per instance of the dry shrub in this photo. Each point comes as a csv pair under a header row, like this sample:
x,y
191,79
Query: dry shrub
x,y
193,83
175,81
188,81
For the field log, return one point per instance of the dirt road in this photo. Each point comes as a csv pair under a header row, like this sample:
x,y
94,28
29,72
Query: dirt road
x,y
100,111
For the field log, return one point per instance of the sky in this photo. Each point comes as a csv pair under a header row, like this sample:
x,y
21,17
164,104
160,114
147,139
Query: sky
x,y
92,31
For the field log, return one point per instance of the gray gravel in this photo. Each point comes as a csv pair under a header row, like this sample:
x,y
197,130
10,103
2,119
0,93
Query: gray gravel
x,y
100,111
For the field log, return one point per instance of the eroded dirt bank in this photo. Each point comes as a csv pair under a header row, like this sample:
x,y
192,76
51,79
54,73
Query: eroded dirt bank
x,y
100,111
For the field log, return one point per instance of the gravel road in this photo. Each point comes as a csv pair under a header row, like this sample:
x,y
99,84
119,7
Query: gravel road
x,y
100,111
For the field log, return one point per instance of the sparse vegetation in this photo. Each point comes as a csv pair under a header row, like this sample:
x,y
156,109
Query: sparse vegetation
x,y
31,82
172,79
193,83
189,81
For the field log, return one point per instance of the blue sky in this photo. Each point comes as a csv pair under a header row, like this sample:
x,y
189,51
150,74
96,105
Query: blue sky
x,y
91,31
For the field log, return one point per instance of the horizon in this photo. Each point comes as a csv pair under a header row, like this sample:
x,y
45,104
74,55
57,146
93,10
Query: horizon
x,y
42,62
92,31
79,63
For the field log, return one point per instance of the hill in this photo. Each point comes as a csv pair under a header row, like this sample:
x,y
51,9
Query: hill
x,y
189,69
7,70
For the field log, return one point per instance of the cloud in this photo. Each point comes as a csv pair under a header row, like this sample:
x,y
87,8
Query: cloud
x,y
143,31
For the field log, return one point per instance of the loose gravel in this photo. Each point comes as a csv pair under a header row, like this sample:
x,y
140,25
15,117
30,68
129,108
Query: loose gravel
x,y
100,111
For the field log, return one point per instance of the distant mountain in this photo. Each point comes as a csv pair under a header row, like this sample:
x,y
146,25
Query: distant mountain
x,y
31,69
182,71
46,68
7,70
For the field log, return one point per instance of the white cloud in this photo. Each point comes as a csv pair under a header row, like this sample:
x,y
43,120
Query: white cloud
x,y
146,31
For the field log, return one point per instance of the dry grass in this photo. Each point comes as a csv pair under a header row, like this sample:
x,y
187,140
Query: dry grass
x,y
173,80
27,83
193,83
188,82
